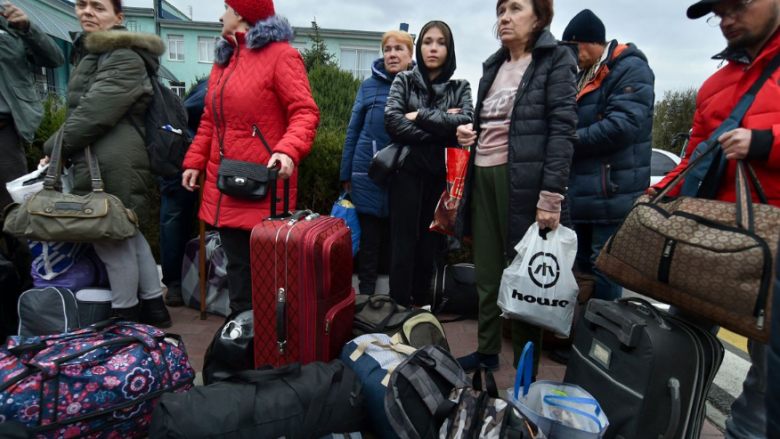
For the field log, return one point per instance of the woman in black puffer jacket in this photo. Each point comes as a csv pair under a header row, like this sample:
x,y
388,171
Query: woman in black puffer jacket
x,y
524,131
424,110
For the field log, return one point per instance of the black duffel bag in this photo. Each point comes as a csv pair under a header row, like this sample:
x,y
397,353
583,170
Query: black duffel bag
x,y
455,291
232,349
293,401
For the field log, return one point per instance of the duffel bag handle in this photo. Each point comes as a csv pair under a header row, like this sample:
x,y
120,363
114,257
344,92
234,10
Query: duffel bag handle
x,y
490,381
524,370
266,374
745,176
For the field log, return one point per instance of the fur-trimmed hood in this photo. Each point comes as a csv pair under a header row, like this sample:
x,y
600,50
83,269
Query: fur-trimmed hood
x,y
272,29
109,40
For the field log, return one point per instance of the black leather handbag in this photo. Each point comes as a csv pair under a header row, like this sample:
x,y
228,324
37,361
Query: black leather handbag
x,y
245,180
232,349
386,163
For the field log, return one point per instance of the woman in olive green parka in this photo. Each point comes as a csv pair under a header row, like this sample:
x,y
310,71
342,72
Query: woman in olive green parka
x,y
109,85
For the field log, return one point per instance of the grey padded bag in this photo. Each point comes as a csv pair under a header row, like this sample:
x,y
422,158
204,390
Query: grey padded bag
x,y
419,388
47,311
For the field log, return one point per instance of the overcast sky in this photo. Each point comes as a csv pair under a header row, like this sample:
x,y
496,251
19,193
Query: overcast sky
x,y
678,49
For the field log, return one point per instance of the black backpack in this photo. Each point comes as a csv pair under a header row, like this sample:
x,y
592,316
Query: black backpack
x,y
167,139
15,262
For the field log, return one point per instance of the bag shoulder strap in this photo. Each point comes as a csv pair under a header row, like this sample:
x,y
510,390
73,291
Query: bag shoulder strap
x,y
738,113
713,167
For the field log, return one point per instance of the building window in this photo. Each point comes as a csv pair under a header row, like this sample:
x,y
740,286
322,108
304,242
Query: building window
x,y
206,47
179,88
358,61
176,47
133,26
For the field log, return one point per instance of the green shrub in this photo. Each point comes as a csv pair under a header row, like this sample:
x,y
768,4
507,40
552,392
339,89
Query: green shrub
x,y
53,118
334,92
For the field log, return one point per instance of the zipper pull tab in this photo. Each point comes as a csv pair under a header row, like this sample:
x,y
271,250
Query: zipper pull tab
x,y
327,326
761,318
668,249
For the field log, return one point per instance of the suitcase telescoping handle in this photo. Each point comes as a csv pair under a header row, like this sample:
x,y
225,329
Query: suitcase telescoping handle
x,y
274,178
626,327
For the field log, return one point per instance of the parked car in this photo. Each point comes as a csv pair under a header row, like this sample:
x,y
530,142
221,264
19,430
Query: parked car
x,y
661,163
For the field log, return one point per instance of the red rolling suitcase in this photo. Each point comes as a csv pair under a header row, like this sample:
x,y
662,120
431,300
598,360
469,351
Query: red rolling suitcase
x,y
302,294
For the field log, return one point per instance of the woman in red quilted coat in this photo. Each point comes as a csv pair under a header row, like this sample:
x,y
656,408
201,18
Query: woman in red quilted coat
x,y
258,79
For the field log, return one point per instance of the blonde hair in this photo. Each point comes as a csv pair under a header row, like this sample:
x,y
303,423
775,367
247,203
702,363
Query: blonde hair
x,y
402,37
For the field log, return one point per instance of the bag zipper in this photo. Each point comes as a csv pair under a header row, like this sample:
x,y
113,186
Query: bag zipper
x,y
665,266
330,318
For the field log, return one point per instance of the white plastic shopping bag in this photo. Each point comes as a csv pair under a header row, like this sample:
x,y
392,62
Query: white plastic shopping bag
x,y
25,186
539,286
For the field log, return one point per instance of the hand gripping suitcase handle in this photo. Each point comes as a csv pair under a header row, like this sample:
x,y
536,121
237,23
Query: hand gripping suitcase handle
x,y
274,178
281,320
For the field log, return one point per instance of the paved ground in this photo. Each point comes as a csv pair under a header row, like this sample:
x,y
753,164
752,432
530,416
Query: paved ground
x,y
198,333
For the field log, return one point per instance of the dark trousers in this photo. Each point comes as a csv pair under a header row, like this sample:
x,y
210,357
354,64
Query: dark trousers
x,y
590,239
490,219
412,204
374,243
239,268
176,212
13,161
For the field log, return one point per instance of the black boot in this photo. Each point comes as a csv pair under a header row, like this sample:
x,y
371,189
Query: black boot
x,y
154,312
560,355
127,314
173,297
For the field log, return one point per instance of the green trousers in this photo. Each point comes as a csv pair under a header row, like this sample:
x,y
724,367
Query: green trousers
x,y
490,226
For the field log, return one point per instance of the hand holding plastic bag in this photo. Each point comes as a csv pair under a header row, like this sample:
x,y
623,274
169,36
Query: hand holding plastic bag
x,y
539,286
25,186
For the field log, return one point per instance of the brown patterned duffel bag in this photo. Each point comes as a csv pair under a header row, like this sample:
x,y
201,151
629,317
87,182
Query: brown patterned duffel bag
x,y
710,258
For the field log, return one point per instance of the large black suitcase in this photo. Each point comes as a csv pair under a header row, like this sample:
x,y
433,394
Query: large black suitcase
x,y
649,371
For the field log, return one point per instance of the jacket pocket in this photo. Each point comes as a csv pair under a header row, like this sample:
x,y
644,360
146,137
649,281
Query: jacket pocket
x,y
607,186
27,94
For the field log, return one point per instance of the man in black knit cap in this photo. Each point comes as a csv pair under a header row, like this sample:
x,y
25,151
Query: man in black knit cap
x,y
611,164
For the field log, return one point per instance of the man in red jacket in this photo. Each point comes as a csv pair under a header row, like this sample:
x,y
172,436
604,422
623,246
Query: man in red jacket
x,y
751,31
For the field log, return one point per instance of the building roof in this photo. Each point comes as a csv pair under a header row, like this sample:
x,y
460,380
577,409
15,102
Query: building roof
x,y
354,34
51,24
185,24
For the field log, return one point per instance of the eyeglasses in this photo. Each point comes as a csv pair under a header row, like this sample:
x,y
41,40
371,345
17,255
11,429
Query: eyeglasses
x,y
734,12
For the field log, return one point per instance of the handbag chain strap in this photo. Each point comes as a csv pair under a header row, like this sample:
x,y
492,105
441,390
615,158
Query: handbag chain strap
x,y
53,178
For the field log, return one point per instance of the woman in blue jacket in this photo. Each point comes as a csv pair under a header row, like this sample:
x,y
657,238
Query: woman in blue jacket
x,y
366,136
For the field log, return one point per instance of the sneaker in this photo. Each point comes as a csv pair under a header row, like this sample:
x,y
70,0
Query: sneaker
x,y
154,312
173,297
126,314
560,355
470,363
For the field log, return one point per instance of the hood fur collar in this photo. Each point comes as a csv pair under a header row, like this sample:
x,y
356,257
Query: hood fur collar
x,y
266,31
109,40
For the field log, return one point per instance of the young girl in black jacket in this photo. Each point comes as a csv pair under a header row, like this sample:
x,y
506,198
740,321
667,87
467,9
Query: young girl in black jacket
x,y
424,109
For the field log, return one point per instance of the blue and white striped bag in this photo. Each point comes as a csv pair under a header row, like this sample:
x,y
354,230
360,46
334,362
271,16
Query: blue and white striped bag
x,y
51,259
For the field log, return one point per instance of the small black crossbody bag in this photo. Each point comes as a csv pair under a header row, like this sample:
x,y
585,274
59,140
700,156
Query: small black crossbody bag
x,y
245,180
